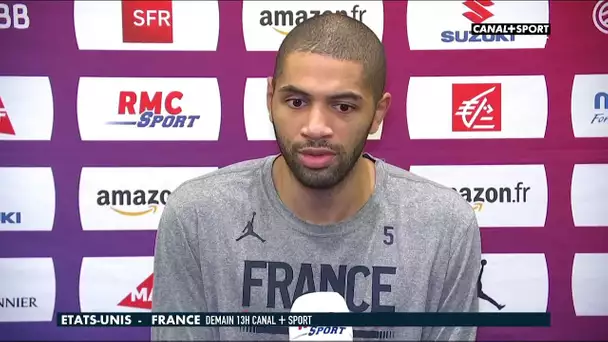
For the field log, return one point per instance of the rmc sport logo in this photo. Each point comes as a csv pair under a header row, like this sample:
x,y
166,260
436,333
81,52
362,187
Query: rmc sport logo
x,y
288,18
150,109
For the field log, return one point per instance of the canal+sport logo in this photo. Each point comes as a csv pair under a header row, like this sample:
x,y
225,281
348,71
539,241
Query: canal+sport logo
x,y
283,20
476,12
153,109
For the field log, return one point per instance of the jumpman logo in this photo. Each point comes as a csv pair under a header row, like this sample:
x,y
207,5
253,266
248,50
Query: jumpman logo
x,y
480,293
249,230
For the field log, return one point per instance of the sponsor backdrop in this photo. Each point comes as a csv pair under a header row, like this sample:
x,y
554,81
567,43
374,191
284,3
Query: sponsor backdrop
x,y
106,107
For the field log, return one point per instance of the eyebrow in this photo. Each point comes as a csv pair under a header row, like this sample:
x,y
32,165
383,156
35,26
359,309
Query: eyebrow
x,y
347,95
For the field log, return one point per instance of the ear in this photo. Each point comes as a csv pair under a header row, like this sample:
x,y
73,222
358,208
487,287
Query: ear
x,y
381,109
269,93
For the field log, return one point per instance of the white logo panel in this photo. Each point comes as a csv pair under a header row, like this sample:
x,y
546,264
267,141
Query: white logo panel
x,y
129,198
116,284
27,289
523,105
446,25
514,283
501,195
107,25
141,109
590,106
257,119
26,108
589,192
266,23
589,284
27,199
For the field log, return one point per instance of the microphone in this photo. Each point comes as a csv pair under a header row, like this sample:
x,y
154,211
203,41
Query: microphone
x,y
320,302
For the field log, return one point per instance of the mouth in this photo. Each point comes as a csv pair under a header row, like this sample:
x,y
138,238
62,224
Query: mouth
x,y
316,158
315,151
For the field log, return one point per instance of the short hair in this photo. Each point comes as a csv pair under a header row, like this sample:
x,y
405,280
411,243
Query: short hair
x,y
341,37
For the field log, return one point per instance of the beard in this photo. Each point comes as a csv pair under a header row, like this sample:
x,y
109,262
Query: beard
x,y
325,178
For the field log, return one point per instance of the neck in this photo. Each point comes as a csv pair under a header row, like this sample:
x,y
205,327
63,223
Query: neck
x,y
325,206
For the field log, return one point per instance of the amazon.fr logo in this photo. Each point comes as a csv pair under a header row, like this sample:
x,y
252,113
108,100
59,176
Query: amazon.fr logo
x,y
133,202
283,20
478,10
479,196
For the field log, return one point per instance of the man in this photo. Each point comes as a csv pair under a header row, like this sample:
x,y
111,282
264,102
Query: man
x,y
328,217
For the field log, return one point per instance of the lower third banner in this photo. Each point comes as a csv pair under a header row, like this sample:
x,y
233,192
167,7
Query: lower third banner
x,y
236,319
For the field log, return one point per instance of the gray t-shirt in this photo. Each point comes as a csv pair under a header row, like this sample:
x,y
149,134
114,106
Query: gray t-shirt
x,y
226,243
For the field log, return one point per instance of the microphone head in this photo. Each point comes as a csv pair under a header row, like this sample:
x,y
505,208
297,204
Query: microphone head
x,y
320,302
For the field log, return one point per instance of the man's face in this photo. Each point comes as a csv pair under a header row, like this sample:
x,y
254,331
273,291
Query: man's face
x,y
322,112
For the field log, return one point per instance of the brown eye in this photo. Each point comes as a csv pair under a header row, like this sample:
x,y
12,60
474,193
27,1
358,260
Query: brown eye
x,y
344,107
296,103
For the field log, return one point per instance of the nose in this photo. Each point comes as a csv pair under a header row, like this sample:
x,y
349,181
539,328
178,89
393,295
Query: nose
x,y
317,125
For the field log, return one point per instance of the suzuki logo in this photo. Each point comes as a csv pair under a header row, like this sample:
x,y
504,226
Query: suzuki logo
x,y
10,217
478,13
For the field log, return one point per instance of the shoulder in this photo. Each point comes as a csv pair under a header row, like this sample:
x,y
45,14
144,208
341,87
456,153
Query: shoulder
x,y
439,205
219,188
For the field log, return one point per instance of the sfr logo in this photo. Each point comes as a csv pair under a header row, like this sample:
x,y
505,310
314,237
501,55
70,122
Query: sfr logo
x,y
147,21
